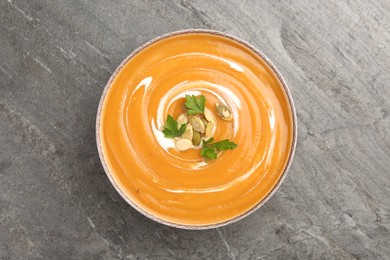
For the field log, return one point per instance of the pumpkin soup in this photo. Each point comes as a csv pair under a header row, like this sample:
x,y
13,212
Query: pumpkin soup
x,y
251,108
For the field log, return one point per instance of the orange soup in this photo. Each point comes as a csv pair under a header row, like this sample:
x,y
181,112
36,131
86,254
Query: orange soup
x,y
180,188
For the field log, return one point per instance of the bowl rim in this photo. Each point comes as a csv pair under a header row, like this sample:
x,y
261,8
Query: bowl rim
x,y
194,226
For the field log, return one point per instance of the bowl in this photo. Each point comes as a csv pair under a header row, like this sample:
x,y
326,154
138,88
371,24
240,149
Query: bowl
x,y
182,189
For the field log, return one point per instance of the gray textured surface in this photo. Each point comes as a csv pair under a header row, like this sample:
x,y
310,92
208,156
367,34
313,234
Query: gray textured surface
x,y
57,203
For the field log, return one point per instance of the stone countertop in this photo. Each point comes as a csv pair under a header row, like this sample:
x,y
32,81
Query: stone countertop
x,y
55,200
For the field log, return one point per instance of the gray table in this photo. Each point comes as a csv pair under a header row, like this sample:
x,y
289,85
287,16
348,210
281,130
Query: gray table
x,y
57,203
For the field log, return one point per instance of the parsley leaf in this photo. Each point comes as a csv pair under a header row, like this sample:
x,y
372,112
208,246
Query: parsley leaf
x,y
208,152
209,141
224,145
195,105
209,149
171,128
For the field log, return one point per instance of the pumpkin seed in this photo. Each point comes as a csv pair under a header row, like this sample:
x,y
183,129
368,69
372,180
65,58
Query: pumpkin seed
x,y
209,130
188,133
205,122
181,120
223,111
183,144
197,124
196,138
209,115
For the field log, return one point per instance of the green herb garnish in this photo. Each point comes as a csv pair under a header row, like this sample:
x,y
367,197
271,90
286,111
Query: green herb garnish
x,y
171,128
195,105
210,149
